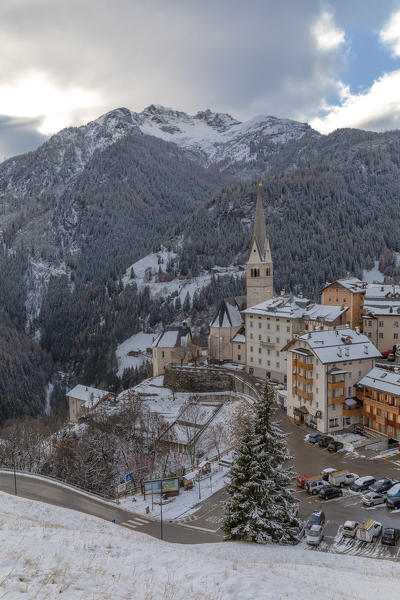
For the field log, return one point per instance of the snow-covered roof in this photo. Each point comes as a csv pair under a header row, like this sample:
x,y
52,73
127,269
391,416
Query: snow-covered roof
x,y
173,337
382,380
339,345
380,291
288,307
229,313
382,308
89,395
353,284
323,312
240,338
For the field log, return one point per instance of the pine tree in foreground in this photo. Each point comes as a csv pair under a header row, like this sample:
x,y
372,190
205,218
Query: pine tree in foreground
x,y
261,507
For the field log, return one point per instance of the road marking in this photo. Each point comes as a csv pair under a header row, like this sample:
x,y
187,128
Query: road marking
x,y
143,521
130,525
199,528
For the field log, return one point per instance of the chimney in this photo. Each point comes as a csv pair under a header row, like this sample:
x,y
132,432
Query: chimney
x,y
365,348
347,351
339,351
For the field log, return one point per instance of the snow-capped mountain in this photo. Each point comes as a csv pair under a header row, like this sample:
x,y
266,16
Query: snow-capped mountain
x,y
218,137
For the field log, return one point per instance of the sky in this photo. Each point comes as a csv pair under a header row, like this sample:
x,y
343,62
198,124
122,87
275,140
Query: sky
x,y
333,64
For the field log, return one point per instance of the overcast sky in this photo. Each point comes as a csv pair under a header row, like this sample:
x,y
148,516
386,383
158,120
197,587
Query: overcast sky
x,y
64,62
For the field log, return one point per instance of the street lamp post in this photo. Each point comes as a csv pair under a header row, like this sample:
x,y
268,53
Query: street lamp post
x,y
198,479
161,521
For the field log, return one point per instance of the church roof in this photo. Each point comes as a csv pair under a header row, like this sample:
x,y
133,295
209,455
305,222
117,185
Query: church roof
x,y
229,312
260,233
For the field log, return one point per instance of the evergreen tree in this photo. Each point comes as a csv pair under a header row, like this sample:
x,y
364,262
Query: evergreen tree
x,y
261,507
186,303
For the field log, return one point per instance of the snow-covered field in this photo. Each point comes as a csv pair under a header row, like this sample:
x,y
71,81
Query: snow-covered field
x,y
50,552
138,343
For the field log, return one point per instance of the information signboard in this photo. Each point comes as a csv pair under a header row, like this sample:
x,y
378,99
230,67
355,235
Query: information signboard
x,y
128,478
122,488
164,486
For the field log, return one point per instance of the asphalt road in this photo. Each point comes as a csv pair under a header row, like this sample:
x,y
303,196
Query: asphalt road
x,y
51,493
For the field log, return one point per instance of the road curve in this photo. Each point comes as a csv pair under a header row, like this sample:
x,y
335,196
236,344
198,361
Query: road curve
x,y
42,490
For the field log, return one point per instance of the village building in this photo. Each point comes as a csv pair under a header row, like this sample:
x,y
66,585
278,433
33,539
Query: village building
x,y
324,368
82,400
271,325
379,393
174,345
346,292
226,341
381,323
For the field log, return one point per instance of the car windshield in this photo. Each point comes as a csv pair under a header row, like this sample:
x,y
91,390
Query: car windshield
x,y
314,533
348,528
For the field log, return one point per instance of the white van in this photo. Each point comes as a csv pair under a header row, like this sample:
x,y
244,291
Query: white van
x,y
313,487
369,530
341,478
314,535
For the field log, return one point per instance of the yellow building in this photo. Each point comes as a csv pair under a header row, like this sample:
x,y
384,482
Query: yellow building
x,y
173,345
379,392
346,292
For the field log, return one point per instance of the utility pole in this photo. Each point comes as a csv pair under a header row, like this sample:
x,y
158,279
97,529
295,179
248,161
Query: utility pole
x,y
161,521
15,475
198,479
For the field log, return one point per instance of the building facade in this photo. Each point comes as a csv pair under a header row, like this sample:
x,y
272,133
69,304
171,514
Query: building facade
x,y
324,368
381,323
346,292
174,345
225,326
272,324
259,268
379,392
83,399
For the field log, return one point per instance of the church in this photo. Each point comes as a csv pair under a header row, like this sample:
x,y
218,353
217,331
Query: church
x,y
253,330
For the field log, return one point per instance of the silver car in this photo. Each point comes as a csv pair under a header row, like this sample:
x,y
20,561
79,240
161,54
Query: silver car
x,y
373,498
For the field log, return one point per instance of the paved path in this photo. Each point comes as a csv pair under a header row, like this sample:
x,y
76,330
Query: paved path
x,y
43,490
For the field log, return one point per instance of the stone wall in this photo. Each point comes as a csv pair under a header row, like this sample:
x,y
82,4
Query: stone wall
x,y
208,379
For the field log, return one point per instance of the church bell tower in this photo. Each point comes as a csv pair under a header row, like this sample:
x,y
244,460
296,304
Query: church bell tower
x,y
259,269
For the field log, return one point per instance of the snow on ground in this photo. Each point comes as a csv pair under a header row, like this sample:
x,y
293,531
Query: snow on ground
x,y
184,504
385,454
374,275
149,266
50,552
137,343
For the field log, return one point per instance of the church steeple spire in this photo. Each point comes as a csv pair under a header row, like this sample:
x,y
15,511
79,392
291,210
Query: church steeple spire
x,y
260,269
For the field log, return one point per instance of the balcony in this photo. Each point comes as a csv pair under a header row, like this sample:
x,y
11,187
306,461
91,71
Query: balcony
x,y
266,344
336,385
353,411
302,393
336,400
302,365
301,379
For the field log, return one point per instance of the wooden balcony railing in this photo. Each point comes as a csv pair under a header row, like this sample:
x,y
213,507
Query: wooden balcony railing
x,y
302,365
302,393
336,385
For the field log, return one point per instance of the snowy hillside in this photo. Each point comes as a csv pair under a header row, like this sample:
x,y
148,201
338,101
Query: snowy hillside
x,y
50,552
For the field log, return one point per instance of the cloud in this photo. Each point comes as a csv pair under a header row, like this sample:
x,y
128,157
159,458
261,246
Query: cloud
x,y
84,58
18,135
376,109
327,35
390,34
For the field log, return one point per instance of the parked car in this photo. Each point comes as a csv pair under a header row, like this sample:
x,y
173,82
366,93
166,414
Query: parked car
x,y
382,485
313,487
386,353
335,446
326,472
351,478
330,492
369,530
373,498
317,518
390,536
303,480
324,441
314,535
350,528
393,503
394,491
314,437
362,483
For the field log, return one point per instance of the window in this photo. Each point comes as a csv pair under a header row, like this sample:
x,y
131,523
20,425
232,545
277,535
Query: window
x,y
330,299
288,329
336,289
267,271
359,373
268,325
381,323
259,337
396,336
349,391
316,391
277,353
268,351
259,351
333,407
277,327
277,365
395,324
251,336
259,361
238,346
344,300
251,349
269,363
346,420
316,375
337,300
259,325
369,334
333,422
278,340
239,357
251,323
162,354
369,323
380,335
251,359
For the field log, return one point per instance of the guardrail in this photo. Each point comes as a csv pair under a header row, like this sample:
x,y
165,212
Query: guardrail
x,y
57,481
